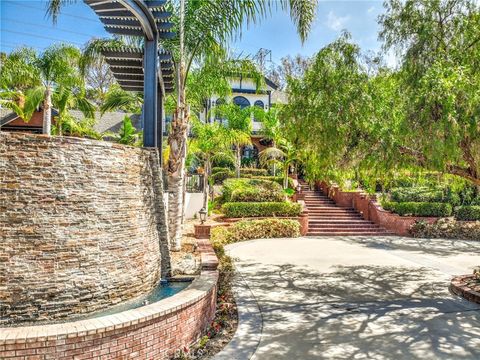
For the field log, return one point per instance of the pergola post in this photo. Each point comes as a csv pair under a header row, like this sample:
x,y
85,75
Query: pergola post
x,y
160,119
150,93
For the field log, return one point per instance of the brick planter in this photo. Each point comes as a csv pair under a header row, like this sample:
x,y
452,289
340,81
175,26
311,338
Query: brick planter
x,y
202,231
459,287
152,332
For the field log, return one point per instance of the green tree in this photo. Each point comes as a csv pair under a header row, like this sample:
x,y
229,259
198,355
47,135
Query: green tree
x,y
238,126
208,142
439,44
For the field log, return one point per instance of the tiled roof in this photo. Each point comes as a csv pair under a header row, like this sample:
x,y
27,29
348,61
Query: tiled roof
x,y
110,121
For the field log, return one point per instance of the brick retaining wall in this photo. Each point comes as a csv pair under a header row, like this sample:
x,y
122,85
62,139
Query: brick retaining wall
x,y
152,332
82,224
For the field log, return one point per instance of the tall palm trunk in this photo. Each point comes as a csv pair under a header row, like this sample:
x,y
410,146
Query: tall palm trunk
x,y
47,111
285,179
177,141
238,160
205,184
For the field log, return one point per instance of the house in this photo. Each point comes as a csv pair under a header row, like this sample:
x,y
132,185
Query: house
x,y
108,122
245,93
10,121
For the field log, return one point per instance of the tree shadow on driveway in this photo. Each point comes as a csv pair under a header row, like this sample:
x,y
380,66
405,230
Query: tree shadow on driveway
x,y
361,312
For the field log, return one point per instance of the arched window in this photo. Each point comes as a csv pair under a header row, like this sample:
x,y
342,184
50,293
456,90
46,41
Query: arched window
x,y
259,103
241,101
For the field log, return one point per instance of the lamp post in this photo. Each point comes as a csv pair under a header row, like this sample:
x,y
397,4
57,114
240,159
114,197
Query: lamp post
x,y
203,215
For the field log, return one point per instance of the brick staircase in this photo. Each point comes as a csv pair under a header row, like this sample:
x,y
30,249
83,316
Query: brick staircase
x,y
326,218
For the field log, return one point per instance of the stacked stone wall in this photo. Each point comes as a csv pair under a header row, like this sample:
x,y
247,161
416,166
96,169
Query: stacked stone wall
x,y
82,225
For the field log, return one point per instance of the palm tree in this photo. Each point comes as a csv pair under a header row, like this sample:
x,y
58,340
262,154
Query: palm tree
x,y
205,28
55,73
282,152
208,143
238,126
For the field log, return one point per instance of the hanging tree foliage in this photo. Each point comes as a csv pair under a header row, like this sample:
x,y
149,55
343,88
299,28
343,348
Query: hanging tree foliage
x,y
354,122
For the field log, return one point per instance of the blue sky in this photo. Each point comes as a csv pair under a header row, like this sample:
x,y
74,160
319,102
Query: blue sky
x,y
23,22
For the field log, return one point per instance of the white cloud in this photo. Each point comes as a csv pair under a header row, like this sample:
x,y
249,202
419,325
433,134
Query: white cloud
x,y
371,9
335,22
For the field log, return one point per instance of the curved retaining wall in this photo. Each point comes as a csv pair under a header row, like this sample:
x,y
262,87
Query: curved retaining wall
x,y
152,332
82,225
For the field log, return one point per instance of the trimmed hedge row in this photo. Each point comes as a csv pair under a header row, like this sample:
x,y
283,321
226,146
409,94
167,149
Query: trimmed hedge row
x,y
277,179
417,194
447,229
220,176
433,209
237,185
468,213
258,194
255,229
253,172
260,209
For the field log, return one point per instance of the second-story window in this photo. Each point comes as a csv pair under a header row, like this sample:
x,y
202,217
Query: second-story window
x,y
258,103
241,101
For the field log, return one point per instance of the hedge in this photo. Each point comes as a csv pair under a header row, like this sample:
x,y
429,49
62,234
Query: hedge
x,y
277,179
417,194
231,185
217,169
220,176
468,213
253,172
258,194
260,209
433,209
255,229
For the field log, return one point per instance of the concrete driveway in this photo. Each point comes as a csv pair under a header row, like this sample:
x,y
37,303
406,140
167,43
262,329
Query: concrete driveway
x,y
359,298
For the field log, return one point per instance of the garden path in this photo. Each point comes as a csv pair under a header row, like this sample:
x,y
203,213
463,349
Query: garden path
x,y
353,298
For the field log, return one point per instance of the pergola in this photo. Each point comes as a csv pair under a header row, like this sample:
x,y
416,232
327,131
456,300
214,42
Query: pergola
x,y
148,69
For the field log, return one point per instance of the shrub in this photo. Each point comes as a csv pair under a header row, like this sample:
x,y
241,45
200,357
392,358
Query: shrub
x,y
468,213
217,169
258,194
417,194
446,229
253,172
255,229
260,209
277,179
231,185
419,208
220,176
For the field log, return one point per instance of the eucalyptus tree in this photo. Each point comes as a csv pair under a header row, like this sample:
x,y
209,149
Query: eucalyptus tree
x,y
439,45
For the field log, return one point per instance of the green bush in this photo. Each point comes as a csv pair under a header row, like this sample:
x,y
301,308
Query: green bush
x,y
277,179
419,208
220,176
468,213
231,185
258,194
417,194
217,169
260,209
255,229
245,172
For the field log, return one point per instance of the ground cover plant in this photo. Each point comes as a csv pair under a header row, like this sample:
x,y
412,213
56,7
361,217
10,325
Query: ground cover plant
x,y
447,228
255,229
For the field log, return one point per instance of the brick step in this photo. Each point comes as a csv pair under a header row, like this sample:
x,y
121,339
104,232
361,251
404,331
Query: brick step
x,y
321,215
347,233
340,221
330,209
343,227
